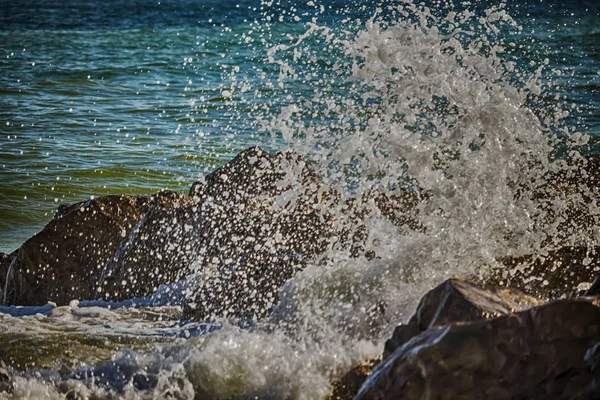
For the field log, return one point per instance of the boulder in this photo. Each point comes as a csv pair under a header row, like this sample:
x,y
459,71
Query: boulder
x,y
65,260
458,301
159,250
534,354
261,217
592,360
453,301
5,261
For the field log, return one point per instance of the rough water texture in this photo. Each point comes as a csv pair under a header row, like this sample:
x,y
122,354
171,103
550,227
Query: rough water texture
x,y
427,145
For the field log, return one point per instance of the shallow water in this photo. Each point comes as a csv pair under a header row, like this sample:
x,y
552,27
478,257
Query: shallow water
x,y
467,108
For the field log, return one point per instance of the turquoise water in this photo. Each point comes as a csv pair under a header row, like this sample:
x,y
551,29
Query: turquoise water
x,y
101,97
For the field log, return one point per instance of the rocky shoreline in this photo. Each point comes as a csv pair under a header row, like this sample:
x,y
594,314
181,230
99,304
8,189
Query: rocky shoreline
x,y
251,225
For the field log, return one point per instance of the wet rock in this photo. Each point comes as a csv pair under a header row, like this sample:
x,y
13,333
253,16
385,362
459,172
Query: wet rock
x,y
592,360
534,354
458,301
399,207
5,261
159,250
65,260
261,217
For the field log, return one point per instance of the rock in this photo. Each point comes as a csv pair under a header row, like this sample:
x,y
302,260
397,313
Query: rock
x,y
399,207
65,260
592,360
5,261
159,250
566,199
261,218
534,354
458,301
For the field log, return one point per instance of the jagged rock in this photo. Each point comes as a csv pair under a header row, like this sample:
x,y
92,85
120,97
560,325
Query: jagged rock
x,y
533,354
458,301
261,217
65,260
159,250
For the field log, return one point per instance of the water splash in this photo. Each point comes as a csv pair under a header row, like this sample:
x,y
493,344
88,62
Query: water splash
x,y
426,103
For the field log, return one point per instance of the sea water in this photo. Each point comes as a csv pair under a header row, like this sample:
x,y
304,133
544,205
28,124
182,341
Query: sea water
x,y
106,97
467,105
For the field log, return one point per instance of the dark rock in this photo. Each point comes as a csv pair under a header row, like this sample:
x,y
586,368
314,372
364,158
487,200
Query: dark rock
x,y
5,261
534,354
458,301
261,217
159,250
65,260
399,207
565,199
592,360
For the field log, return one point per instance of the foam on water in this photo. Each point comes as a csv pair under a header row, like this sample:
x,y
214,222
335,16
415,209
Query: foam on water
x,y
426,101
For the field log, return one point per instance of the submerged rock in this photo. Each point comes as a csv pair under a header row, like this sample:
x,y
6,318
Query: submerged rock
x,y
538,353
66,259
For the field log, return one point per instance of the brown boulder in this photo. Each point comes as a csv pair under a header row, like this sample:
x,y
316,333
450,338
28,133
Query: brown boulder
x,y
159,250
5,261
534,354
458,301
260,217
65,260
